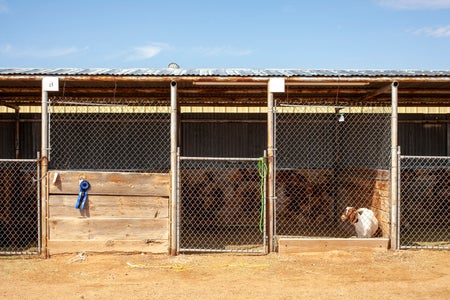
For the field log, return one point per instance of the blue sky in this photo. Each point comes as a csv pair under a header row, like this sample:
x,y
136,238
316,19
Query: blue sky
x,y
319,34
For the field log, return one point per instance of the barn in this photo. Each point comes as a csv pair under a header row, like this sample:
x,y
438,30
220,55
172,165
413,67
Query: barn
x,y
178,160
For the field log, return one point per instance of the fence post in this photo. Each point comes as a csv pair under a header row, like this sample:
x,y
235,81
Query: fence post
x,y
44,169
49,84
173,167
399,195
394,165
270,162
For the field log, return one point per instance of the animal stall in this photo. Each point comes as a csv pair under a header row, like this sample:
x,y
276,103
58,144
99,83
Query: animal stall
x,y
329,157
19,210
115,155
221,185
424,202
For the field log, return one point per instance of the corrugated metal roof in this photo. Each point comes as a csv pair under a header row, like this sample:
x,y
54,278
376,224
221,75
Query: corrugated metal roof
x,y
222,72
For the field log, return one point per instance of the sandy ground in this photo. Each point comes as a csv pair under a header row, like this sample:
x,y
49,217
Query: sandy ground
x,y
328,275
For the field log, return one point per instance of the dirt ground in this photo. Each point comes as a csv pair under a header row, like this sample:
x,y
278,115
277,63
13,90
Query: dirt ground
x,y
409,274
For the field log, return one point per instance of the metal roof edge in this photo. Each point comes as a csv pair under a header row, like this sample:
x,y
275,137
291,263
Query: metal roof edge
x,y
213,72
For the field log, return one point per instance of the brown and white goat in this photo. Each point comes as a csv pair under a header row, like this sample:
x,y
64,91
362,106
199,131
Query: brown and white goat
x,y
364,220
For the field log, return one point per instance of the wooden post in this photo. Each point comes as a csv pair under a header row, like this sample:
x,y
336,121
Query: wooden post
x,y
275,85
48,84
270,162
44,169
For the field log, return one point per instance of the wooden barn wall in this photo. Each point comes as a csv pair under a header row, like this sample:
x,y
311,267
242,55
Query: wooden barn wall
x,y
424,135
29,135
125,141
126,212
419,134
223,134
329,193
373,186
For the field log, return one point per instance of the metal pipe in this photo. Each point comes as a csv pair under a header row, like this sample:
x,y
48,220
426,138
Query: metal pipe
x,y
265,205
394,165
219,158
44,169
173,167
399,200
39,216
178,201
270,162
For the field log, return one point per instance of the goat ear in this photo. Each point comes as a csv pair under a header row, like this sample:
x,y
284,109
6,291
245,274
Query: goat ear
x,y
354,217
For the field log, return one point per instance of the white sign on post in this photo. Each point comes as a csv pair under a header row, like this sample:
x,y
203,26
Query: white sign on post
x,y
50,84
276,85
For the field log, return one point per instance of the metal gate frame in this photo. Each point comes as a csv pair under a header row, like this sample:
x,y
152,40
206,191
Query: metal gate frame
x,y
365,167
261,248
34,247
428,180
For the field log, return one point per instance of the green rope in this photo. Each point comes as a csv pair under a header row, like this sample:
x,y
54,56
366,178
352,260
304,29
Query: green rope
x,y
262,170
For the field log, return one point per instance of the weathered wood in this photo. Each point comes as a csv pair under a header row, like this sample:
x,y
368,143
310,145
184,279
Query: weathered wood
x,y
295,245
124,212
140,246
70,229
380,202
110,206
383,222
111,183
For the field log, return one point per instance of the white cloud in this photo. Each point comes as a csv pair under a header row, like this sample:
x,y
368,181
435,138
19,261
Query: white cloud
x,y
442,31
4,8
147,51
415,4
223,51
40,53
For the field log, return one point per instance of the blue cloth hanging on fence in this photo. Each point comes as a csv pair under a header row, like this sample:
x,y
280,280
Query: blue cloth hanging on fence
x,y
82,195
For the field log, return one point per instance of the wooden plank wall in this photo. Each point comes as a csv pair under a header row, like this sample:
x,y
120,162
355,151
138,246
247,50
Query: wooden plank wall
x,y
126,212
375,191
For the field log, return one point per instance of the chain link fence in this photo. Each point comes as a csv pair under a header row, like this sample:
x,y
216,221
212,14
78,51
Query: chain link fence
x,y
19,207
424,202
329,158
222,205
103,134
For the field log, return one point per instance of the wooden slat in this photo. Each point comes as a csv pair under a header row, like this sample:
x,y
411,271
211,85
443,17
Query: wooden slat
x,y
111,183
146,246
293,245
110,206
71,229
380,202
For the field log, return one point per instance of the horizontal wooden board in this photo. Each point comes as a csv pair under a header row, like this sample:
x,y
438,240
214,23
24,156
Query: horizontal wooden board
x,y
110,246
294,245
380,202
70,229
110,206
110,183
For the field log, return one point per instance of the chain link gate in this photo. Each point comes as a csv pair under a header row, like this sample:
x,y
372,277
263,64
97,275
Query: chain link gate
x,y
105,134
20,207
329,158
424,202
221,205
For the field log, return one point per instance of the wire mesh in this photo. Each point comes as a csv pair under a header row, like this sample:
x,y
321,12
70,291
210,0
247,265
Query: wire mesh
x,y
19,220
328,159
99,134
425,202
222,205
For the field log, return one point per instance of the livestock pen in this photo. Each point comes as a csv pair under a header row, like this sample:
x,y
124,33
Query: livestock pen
x,y
223,160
